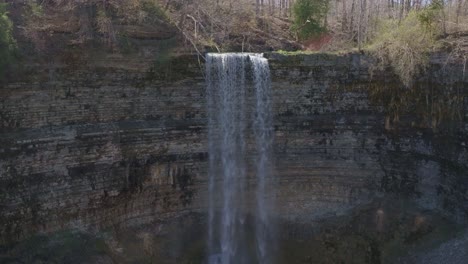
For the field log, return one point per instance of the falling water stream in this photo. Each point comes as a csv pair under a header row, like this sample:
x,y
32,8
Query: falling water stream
x,y
240,133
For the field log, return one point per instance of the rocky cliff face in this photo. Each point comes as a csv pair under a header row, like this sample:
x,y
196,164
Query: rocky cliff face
x,y
334,152
118,141
95,145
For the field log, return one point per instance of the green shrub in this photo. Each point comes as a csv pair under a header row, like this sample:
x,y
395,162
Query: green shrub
x,y
35,9
428,16
7,42
309,16
406,46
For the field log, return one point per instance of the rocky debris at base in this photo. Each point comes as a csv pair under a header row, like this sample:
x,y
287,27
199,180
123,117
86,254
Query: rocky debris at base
x,y
454,251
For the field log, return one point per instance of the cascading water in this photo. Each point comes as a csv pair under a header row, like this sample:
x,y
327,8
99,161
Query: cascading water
x,y
231,112
263,129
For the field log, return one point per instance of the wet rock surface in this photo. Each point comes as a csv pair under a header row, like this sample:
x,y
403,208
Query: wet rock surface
x,y
93,146
381,232
455,251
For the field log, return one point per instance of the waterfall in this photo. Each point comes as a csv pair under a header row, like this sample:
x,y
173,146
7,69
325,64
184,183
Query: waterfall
x,y
239,112
263,129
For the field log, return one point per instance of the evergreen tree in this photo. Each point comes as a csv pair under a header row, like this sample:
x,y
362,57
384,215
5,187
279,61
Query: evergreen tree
x,y
309,17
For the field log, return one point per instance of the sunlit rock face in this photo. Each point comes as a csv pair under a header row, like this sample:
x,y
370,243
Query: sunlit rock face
x,y
112,143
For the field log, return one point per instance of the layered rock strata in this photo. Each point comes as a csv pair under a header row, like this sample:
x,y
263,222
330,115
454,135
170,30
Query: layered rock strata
x,y
116,141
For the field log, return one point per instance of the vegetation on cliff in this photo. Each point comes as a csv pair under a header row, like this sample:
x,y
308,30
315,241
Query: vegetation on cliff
x,y
7,42
226,25
399,34
405,46
110,23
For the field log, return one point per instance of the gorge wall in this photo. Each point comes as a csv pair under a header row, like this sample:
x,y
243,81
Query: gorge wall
x,y
118,141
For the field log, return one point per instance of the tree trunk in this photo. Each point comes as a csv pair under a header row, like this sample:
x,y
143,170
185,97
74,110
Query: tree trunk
x,y
351,24
361,14
291,4
408,6
344,17
285,8
257,6
459,7
402,9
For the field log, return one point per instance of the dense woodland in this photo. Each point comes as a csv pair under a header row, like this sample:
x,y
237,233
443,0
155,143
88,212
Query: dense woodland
x,y
400,33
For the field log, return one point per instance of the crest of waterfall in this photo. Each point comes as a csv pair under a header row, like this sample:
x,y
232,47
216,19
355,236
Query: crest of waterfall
x,y
239,113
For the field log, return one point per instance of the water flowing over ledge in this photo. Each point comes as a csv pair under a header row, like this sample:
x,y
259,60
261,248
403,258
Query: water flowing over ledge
x,y
230,79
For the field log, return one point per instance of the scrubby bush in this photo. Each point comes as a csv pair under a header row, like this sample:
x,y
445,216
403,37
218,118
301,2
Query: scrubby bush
x,y
405,46
7,42
153,10
428,16
139,11
309,16
105,27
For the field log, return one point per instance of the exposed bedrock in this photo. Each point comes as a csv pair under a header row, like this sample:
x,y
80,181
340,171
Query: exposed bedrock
x,y
91,146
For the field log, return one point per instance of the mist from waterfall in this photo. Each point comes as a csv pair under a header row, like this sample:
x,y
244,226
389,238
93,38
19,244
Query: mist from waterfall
x,y
240,133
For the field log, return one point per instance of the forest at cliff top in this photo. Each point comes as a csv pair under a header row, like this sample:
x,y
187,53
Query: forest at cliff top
x,y
400,33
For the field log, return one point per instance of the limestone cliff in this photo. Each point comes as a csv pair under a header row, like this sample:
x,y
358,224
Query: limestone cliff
x,y
121,140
